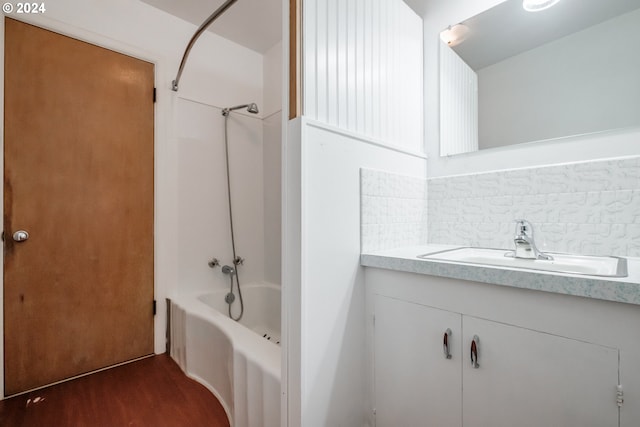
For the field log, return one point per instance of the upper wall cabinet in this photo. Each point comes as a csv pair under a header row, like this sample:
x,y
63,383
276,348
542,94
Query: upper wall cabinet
x,y
510,76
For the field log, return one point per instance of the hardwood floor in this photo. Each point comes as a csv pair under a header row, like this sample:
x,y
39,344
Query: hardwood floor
x,y
150,392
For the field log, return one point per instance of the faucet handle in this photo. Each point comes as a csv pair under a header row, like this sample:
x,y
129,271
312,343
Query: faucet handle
x,y
524,227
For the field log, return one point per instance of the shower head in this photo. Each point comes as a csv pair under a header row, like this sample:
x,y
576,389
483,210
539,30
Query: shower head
x,y
252,108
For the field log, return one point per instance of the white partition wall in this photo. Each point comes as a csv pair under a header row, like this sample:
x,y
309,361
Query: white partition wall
x,y
327,372
362,108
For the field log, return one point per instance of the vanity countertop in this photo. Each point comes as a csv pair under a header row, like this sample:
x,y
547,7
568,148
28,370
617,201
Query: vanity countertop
x,y
617,289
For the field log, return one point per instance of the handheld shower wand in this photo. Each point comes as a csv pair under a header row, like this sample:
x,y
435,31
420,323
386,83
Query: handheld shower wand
x,y
230,297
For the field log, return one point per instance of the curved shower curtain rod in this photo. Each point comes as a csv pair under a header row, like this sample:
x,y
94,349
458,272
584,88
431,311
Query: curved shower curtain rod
x,y
219,11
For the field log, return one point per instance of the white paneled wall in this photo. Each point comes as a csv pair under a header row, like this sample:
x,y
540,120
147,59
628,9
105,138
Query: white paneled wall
x,y
458,104
363,69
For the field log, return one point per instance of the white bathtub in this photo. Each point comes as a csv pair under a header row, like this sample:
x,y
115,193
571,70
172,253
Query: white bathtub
x,y
234,360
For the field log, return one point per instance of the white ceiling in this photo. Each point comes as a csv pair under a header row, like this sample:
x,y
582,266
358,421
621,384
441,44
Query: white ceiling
x,y
255,24
419,6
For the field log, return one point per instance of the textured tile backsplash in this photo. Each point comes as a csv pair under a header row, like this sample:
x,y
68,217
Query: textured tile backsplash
x,y
393,210
587,208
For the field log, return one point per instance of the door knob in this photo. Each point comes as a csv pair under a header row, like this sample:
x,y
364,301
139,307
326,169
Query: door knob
x,y
20,236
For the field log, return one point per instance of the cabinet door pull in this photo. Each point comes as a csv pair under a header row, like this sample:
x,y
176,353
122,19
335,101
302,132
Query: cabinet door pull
x,y
474,352
445,344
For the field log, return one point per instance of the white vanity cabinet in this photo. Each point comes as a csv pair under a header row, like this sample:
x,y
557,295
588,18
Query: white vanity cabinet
x,y
537,364
527,378
414,381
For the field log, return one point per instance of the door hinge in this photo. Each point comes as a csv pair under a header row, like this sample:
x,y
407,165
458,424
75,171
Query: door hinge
x,y
154,307
154,95
619,396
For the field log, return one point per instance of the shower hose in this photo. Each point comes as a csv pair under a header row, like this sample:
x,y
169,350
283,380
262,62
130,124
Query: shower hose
x,y
236,259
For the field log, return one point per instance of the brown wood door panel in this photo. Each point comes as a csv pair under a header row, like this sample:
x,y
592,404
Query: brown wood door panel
x,y
79,178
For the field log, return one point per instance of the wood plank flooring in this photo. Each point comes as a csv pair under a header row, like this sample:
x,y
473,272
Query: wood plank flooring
x,y
150,392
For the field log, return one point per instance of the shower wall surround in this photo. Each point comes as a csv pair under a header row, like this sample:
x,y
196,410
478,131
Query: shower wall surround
x,y
588,208
393,210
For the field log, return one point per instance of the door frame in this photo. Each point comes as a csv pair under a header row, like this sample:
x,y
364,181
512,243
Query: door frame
x,y
162,209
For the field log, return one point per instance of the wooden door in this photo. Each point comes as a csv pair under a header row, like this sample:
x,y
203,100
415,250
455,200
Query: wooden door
x,y
532,379
415,384
78,177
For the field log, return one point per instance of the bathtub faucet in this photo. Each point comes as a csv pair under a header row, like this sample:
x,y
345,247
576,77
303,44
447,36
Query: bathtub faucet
x,y
227,269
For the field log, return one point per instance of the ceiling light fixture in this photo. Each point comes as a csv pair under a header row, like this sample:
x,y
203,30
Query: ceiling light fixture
x,y
455,34
538,5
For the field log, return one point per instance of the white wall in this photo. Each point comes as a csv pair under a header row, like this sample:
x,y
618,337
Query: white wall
x,y
585,82
219,73
332,375
272,190
272,80
439,15
272,164
363,68
203,215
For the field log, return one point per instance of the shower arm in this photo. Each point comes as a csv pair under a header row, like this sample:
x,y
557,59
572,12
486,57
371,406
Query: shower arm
x,y
219,11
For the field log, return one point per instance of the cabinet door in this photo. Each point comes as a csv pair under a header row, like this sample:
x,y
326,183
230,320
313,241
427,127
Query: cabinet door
x,y
532,379
415,384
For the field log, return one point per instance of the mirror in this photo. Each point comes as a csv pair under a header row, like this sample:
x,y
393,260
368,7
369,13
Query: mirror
x,y
508,76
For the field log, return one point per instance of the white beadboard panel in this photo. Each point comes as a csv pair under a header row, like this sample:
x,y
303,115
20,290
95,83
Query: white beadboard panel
x,y
458,104
333,60
360,47
589,208
351,70
363,69
310,62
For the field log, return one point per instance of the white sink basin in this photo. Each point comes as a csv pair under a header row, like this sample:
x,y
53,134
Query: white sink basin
x,y
561,263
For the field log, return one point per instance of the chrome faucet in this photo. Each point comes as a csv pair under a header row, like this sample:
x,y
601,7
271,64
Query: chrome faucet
x,y
525,245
